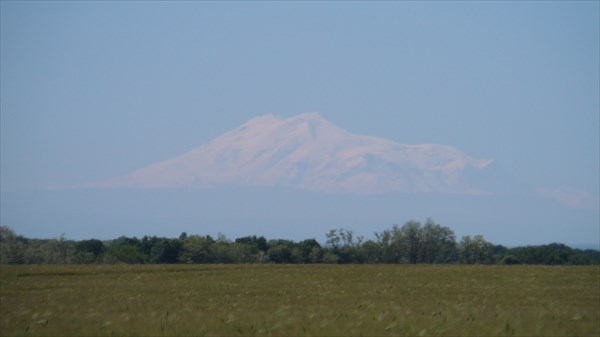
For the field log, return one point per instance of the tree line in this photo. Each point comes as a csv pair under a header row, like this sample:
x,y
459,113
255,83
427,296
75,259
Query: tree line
x,y
411,243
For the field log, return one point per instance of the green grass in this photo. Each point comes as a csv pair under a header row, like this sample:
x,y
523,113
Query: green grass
x,y
299,300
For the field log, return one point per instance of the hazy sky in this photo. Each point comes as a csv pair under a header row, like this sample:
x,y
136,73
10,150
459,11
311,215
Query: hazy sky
x,y
91,90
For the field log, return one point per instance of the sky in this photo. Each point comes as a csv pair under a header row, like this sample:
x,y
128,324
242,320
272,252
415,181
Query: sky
x,y
94,90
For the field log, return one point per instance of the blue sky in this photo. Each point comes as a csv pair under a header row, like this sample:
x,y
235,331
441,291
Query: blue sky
x,y
93,90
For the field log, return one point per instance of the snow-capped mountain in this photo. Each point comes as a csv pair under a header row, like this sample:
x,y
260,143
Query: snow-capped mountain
x,y
309,152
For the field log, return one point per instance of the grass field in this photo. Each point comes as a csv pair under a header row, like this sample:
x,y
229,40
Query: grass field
x,y
299,300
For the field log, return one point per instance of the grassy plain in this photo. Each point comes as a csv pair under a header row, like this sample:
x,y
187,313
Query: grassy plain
x,y
299,300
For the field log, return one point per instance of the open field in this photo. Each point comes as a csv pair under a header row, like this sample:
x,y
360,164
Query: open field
x,y
298,300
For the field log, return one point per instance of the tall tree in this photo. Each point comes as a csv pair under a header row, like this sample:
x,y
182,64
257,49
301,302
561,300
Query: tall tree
x,y
12,248
435,241
474,250
412,236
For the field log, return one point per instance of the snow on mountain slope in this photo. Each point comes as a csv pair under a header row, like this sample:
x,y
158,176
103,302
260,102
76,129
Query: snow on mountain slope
x,y
308,152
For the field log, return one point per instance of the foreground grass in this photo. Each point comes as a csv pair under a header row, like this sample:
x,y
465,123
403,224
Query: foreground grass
x,y
298,300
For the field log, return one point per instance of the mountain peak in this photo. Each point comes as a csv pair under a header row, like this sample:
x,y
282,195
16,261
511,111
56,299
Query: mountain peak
x,y
307,151
308,116
268,119
271,118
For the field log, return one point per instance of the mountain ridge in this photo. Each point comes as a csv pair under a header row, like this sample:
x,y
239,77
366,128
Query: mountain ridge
x,y
307,151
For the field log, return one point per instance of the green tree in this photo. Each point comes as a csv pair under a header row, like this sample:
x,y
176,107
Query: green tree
x,y
89,251
58,251
372,252
197,249
166,251
510,259
12,247
345,245
260,243
333,239
437,243
33,252
280,253
411,236
553,254
391,245
124,253
476,250
309,251
222,250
